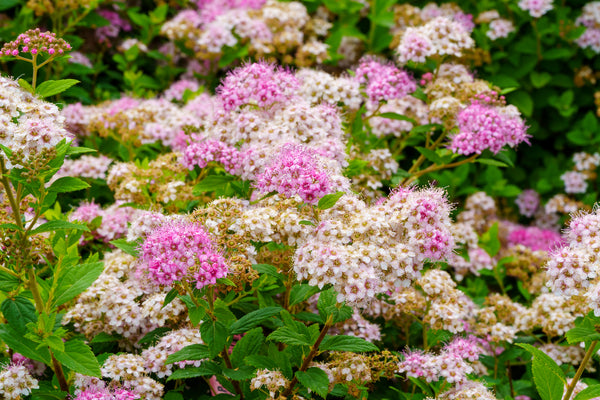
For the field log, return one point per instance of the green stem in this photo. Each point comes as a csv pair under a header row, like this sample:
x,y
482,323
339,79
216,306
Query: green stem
x,y
436,167
35,71
60,374
14,204
413,170
236,384
579,372
538,40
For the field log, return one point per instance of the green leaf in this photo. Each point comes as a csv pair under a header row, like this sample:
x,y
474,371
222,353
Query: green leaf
x,y
584,330
300,293
195,313
55,343
79,150
540,79
430,155
346,343
214,334
314,379
22,345
267,269
18,312
78,357
25,85
327,299
75,280
212,183
248,345
489,240
240,374
56,225
490,161
329,200
549,379
287,335
588,393
523,101
68,184
208,368
253,319
104,337
8,282
52,87
191,352
398,117
260,361
170,297
131,248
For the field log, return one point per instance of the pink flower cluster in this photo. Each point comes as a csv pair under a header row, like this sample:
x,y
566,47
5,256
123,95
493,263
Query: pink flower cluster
x,y
181,251
261,84
535,238
484,127
528,202
200,154
451,364
35,41
104,34
384,81
105,394
536,8
295,171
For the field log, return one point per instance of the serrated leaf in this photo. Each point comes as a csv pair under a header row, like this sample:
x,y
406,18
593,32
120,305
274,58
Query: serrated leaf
x,y
78,357
8,282
248,345
56,225
52,87
214,334
253,319
289,336
68,184
104,337
306,222
18,312
588,393
489,240
226,282
207,368
314,379
15,341
300,293
192,352
239,374
75,280
549,379
131,248
260,361
327,299
55,343
346,343
329,200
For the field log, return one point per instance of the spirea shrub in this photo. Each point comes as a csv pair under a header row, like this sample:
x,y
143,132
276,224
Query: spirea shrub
x,y
263,199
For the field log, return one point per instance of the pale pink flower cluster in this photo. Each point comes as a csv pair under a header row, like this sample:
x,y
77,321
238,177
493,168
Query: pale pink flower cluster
x,y
536,8
585,161
500,28
573,269
528,202
106,34
575,182
180,252
273,380
16,381
483,126
452,364
295,170
114,219
202,153
155,357
27,123
383,81
438,37
261,84
86,167
590,18
178,89
374,248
